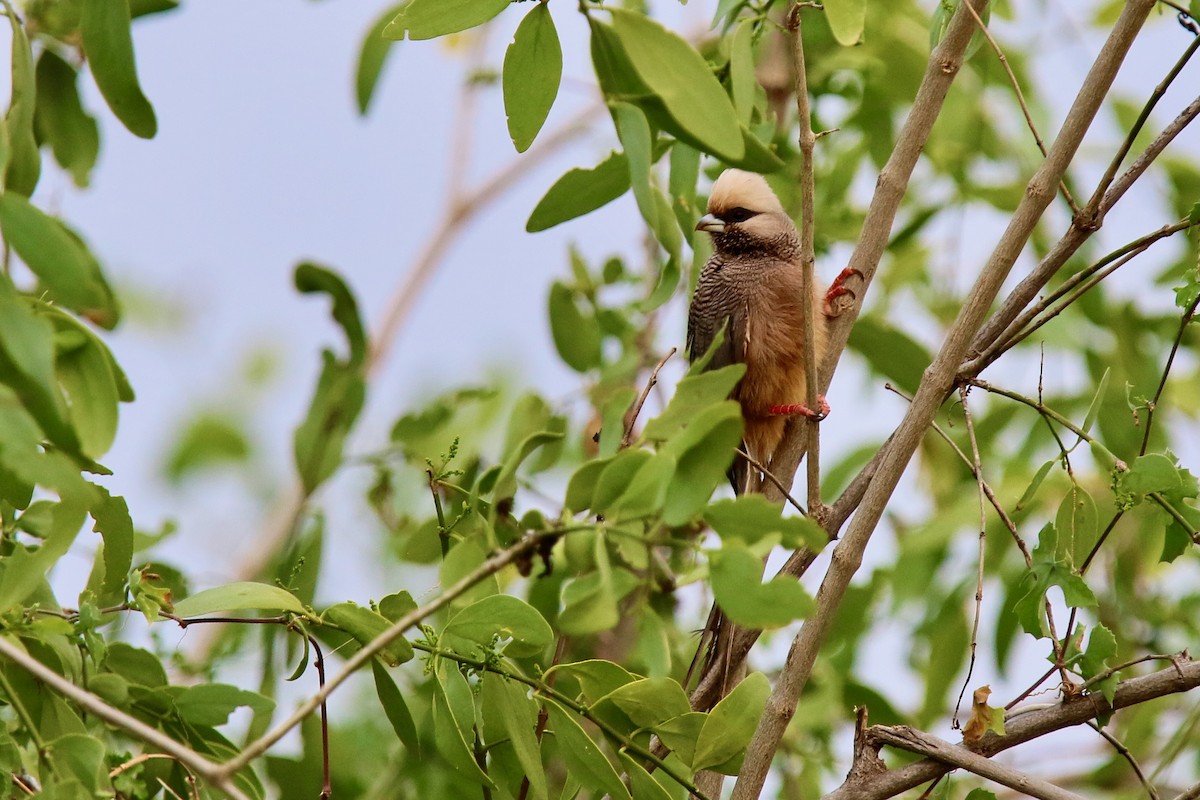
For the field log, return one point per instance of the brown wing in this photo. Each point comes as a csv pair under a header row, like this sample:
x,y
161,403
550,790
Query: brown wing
x,y
717,304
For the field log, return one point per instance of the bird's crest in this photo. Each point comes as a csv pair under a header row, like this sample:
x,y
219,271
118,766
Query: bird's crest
x,y
736,188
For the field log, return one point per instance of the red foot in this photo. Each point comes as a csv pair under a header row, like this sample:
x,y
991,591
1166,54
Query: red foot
x,y
839,289
791,409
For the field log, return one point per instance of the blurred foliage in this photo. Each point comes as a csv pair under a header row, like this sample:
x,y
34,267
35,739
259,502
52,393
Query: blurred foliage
x,y
548,672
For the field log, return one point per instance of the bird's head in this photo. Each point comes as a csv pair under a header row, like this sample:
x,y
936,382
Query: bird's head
x,y
745,216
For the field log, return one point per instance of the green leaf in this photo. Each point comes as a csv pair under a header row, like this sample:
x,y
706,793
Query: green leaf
x,y
742,80
582,486
847,18
703,453
25,568
647,490
1102,648
980,794
731,725
1077,523
649,701
751,518
617,477
635,136
579,192
341,389
61,120
505,617
27,366
532,71
890,352
427,19
596,677
85,372
212,703
613,408
697,392
584,759
644,786
589,603
313,278
241,596
506,480
738,588
454,722
682,733
138,667
576,332
81,757
58,257
208,440
463,559
517,717
395,606
115,526
365,626
395,708
371,58
24,162
681,185
109,49
1153,472
1036,483
1094,408
683,80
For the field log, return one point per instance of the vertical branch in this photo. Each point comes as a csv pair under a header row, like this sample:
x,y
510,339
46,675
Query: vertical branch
x,y
807,144
936,383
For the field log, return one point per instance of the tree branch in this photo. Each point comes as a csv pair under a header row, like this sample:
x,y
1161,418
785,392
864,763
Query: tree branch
x,y
921,743
1024,727
936,383
219,776
1084,224
807,143
491,566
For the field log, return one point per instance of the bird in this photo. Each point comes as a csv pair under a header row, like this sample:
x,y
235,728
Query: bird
x,y
752,288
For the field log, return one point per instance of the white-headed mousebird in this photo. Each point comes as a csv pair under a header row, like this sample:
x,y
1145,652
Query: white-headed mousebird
x,y
753,288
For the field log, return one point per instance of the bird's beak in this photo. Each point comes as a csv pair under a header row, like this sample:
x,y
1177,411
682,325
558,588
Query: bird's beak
x,y
710,223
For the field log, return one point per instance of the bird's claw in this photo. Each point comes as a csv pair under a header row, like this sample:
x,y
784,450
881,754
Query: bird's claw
x,y
793,409
838,289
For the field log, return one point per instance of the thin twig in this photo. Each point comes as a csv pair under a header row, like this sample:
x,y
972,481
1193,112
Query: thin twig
x,y
219,776
1126,754
634,410
770,476
1106,182
987,489
1082,227
1184,321
1024,326
1183,677
1012,79
545,688
930,746
807,143
523,548
977,468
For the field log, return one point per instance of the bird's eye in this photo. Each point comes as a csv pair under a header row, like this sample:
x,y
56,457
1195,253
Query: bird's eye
x,y
739,214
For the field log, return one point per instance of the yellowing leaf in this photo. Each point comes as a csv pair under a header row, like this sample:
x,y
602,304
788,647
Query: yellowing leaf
x,y
984,718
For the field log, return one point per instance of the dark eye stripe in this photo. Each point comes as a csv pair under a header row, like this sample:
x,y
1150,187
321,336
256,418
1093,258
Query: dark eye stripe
x,y
738,214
